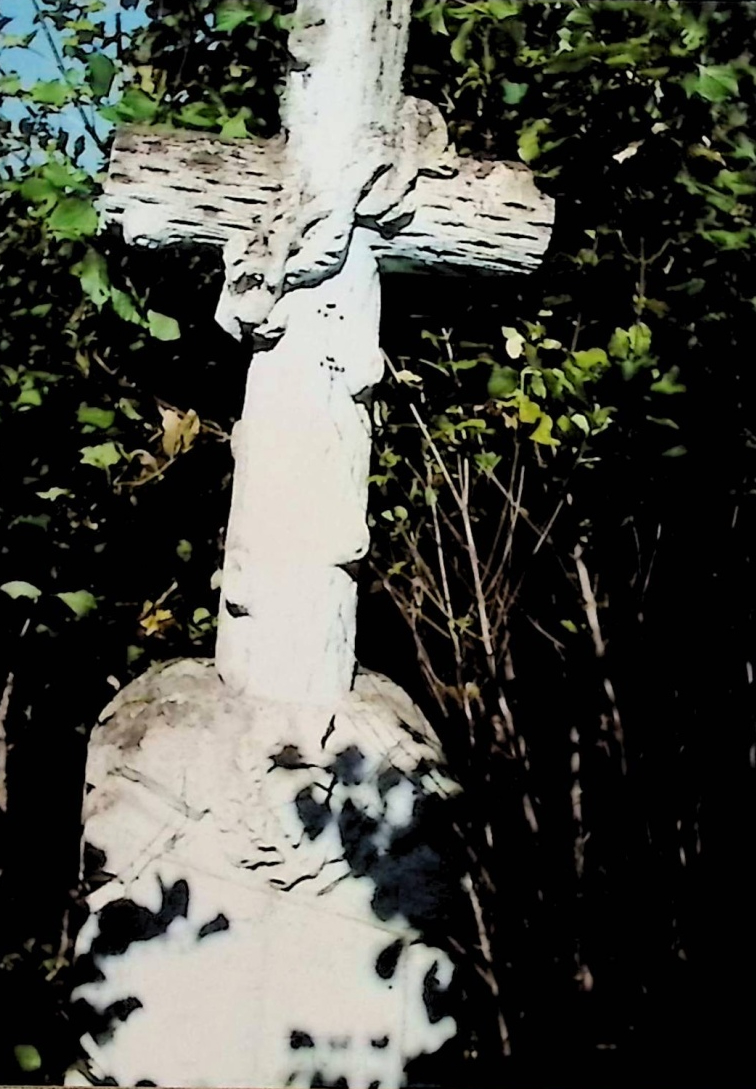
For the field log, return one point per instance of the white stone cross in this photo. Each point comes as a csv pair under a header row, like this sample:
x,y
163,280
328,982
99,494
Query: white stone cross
x,y
273,865
362,179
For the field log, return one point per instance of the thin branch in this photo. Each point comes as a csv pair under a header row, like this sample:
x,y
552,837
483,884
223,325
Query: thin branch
x,y
42,19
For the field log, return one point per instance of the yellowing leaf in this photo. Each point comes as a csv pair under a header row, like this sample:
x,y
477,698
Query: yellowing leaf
x,y
409,377
156,620
179,430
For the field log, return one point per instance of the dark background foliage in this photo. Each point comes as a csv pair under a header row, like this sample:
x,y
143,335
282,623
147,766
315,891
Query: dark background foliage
x,y
623,948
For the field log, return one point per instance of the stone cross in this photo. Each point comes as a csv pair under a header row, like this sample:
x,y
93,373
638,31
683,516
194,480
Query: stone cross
x,y
362,180
272,889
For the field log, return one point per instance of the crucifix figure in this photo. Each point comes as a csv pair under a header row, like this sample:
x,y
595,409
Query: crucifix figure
x,y
265,882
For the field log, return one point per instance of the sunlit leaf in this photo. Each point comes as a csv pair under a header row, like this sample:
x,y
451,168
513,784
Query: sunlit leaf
x,y
95,417
80,602
73,218
92,271
102,456
18,588
27,1057
162,327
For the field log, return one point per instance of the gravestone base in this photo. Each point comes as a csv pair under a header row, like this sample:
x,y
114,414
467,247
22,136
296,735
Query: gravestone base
x,y
266,873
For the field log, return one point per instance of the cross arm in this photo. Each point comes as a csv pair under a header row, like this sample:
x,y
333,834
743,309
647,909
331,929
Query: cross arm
x,y
170,187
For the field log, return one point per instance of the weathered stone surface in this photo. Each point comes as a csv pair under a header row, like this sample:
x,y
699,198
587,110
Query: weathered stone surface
x,y
168,187
302,451
271,871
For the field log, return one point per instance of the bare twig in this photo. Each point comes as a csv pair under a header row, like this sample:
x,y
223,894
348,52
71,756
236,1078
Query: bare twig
x,y
488,973
591,611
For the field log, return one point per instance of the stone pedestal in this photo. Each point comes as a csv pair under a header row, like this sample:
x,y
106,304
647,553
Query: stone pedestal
x,y
267,872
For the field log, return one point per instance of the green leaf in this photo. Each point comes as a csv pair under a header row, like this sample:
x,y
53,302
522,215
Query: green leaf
x,y
640,338
528,411
100,74
736,181
503,382
162,327
54,493
40,191
503,9
715,82
731,240
675,452
184,550
30,396
487,462
537,385
54,92
18,588
542,433
10,85
95,417
513,92
619,345
64,177
80,602
136,106
591,359
233,13
41,521
125,306
73,218
199,115
102,456
514,342
92,271
668,383
459,45
235,128
127,408
529,141
464,364
27,1057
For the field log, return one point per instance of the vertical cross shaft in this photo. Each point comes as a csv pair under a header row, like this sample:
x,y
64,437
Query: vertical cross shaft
x,y
302,446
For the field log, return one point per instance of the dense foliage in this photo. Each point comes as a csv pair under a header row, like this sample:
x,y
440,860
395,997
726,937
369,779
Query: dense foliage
x,y
562,503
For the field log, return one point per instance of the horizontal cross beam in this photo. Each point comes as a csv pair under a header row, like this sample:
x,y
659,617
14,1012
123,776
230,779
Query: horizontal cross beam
x,y
169,186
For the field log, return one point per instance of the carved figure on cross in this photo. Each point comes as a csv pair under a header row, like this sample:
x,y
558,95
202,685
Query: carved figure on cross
x,y
362,180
